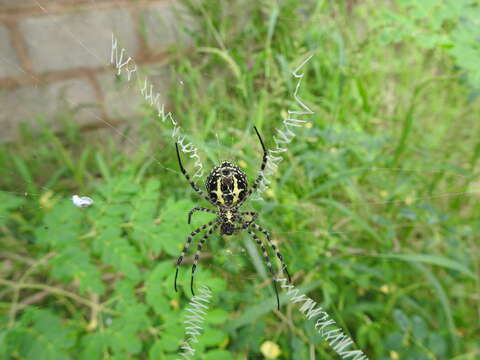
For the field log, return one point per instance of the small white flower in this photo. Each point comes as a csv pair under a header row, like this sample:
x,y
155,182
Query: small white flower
x,y
81,202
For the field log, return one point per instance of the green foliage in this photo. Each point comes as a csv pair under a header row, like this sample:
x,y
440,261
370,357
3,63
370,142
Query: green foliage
x,y
449,25
374,206
40,335
110,251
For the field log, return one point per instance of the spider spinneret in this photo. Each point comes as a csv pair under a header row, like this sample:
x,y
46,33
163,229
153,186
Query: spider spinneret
x,y
227,189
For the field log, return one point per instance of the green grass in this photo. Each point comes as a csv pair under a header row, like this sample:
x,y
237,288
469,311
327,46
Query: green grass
x,y
375,205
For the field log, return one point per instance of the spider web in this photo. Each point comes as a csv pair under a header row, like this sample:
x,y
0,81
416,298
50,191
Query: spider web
x,y
281,138
235,253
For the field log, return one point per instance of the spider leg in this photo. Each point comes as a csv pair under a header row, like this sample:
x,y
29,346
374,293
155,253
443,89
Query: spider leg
x,y
253,214
197,254
199,209
262,168
192,183
269,264
277,252
245,225
187,245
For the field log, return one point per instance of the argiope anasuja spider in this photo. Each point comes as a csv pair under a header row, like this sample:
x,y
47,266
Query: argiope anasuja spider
x,y
227,189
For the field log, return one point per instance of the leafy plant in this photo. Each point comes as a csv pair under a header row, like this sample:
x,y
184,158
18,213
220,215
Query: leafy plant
x,y
449,25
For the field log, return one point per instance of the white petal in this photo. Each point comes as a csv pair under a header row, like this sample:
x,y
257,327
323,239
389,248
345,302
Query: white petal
x,y
82,202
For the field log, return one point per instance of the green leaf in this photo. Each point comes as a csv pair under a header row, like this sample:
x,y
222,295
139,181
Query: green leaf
x,y
157,351
133,319
41,335
116,251
299,349
218,355
168,342
124,343
402,320
212,337
93,346
123,329
74,263
216,316
419,328
173,229
125,290
9,201
215,284
62,226
155,287
438,345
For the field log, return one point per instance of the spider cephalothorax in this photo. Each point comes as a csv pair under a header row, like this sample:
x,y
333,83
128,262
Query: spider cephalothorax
x,y
227,189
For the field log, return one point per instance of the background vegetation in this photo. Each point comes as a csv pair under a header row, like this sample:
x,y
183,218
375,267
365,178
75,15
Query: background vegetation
x,y
375,206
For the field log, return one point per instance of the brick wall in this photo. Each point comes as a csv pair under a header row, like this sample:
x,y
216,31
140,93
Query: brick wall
x,y
55,59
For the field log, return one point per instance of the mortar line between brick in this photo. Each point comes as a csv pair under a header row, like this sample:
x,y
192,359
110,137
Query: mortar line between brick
x,y
84,128
18,44
45,78
108,124
60,8
90,75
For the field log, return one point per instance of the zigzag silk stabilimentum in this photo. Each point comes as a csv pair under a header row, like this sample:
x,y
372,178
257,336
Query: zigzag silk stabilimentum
x,y
324,325
196,311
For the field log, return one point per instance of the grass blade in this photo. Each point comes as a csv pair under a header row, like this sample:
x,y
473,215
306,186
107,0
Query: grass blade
x,y
433,260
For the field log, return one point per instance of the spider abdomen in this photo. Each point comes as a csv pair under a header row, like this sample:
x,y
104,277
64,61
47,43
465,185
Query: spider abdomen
x,y
226,185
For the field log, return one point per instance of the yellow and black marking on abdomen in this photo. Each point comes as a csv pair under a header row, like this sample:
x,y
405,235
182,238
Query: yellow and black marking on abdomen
x,y
226,185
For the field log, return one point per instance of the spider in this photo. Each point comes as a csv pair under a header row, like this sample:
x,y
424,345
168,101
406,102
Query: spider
x,y
227,189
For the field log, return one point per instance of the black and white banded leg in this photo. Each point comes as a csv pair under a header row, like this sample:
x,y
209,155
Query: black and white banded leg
x,y
198,208
269,264
197,254
245,224
253,214
260,175
192,183
274,247
187,245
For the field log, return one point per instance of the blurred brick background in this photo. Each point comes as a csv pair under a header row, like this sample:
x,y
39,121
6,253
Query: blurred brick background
x,y
55,59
